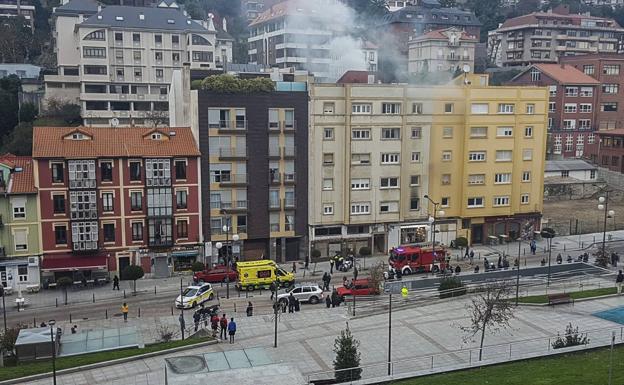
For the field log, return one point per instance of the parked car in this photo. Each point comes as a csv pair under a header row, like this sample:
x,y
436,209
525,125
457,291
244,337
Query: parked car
x,y
194,295
215,275
305,293
359,287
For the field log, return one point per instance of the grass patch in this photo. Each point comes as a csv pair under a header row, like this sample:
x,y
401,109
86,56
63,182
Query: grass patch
x,y
582,368
541,299
45,366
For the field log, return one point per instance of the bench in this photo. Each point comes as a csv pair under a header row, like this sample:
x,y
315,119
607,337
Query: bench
x,y
558,299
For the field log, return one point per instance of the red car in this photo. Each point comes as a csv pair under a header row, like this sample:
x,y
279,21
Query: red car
x,y
215,275
359,287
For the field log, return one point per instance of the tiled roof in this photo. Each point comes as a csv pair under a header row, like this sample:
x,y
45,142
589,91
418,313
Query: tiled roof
x,y
565,74
532,18
117,142
87,7
22,182
352,77
121,16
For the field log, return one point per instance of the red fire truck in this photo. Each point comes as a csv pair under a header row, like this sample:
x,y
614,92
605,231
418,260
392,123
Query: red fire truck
x,y
410,259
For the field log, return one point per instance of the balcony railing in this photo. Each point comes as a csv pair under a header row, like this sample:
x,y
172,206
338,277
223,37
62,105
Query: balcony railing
x,y
235,205
229,125
274,204
289,203
452,57
234,179
289,125
288,152
274,127
232,153
289,177
274,177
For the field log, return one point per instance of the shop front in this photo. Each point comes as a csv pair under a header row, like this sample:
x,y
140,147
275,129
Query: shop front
x,y
510,228
182,259
20,274
92,268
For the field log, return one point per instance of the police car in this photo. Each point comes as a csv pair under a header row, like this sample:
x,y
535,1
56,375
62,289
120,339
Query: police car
x,y
194,295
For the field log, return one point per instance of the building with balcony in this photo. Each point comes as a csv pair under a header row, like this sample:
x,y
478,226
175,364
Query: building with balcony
x,y
14,8
572,107
111,197
441,50
377,150
20,250
543,37
254,171
117,62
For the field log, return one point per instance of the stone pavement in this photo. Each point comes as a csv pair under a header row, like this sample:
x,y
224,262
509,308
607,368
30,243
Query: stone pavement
x,y
306,339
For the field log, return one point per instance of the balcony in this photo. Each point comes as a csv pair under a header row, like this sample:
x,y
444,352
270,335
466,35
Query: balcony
x,y
289,203
234,180
85,246
158,241
232,153
465,57
274,178
289,125
158,182
274,153
288,152
230,126
275,204
81,215
452,57
82,183
235,206
289,178
274,127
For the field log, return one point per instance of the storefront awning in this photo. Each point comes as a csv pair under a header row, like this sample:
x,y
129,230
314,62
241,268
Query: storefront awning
x,y
74,262
185,253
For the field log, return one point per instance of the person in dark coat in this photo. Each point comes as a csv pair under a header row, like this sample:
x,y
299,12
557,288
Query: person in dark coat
x,y
115,282
331,266
291,303
249,309
272,287
196,319
328,301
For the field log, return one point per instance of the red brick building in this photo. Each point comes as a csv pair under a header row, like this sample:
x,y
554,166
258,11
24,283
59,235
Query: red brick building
x,y
110,197
572,107
610,153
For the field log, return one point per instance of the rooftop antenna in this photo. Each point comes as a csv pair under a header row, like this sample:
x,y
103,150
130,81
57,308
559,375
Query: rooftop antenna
x,y
466,70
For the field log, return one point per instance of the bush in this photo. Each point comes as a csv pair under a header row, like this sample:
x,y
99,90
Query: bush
x,y
68,112
197,266
571,338
8,338
451,287
315,254
461,242
228,84
132,273
28,112
365,251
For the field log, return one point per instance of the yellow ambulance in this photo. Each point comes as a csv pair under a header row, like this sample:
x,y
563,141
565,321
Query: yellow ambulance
x,y
254,275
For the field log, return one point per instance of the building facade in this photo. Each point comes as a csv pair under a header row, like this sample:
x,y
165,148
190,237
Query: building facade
x,y
442,50
377,150
543,37
14,8
20,249
610,153
111,197
254,172
572,107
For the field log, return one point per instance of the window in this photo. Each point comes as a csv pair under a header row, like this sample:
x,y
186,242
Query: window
x,y
182,228
479,108
445,201
528,132
136,200
360,159
106,170
135,170
476,179
524,199
414,203
390,182
415,157
159,202
360,208
569,107
328,134
416,132
94,52
591,139
60,235
137,231
571,91
358,109
588,69
447,132
536,75
611,69
475,202
609,107
389,207
585,108
610,88
84,235
328,184
502,178
180,169
552,90
526,176
448,108
415,180
100,35
505,108
565,173
501,201
58,203
569,124
159,73
328,158
592,174
552,106
530,109
109,232
181,199
58,173
446,156
390,158
202,56
504,131
361,134
504,155
390,133
175,39
360,184
328,108
527,154
476,156
175,56
19,207
551,121
328,209
391,108
587,92
158,39
20,239
478,132
445,179
417,108
107,201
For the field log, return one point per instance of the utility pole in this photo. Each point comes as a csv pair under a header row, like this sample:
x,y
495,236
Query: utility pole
x,y
518,271
276,314
390,334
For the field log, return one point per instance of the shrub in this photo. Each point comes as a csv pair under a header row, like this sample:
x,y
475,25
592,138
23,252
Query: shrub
x,y
228,84
197,266
133,272
365,251
461,242
315,253
451,287
570,338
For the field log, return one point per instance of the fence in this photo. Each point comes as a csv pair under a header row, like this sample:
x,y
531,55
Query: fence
x,y
576,226
466,358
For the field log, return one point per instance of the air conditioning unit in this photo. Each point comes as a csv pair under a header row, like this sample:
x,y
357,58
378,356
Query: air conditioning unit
x,y
33,261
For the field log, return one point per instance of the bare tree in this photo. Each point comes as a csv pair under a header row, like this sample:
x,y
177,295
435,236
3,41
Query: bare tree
x,y
489,310
157,118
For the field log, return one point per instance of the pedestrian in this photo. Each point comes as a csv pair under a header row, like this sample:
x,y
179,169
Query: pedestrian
x,y
196,319
223,323
328,301
214,324
74,329
84,282
182,323
533,246
613,259
249,309
232,330
618,282
355,272
325,281
294,269
467,252
272,287
297,304
124,311
115,282
291,303
43,325
307,263
500,262
331,266
457,270
345,283
335,300
471,256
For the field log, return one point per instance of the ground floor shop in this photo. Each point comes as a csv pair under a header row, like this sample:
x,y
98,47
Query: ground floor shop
x,y
20,274
494,230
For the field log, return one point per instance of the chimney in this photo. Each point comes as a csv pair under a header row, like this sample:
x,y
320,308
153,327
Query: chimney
x,y
224,25
99,8
211,26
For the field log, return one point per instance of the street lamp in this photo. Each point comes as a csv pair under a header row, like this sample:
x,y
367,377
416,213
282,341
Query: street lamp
x,y
432,221
549,234
52,323
603,205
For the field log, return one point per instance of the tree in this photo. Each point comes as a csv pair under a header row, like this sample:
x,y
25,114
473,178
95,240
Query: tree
x,y
451,287
489,311
28,112
19,141
65,283
157,118
132,273
347,361
9,105
376,275
315,254
602,259
462,243
17,40
448,3
489,13
8,337
570,338
365,251
68,113
197,266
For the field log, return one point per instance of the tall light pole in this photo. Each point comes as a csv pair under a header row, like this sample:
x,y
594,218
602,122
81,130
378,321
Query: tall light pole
x,y
432,220
390,334
3,308
52,339
549,234
603,205
227,255
518,271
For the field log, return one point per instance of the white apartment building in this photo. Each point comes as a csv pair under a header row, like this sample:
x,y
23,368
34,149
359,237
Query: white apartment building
x,y
441,50
14,8
117,62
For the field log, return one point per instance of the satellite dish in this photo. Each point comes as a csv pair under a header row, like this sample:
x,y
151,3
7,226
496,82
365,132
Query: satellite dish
x,y
466,68
114,122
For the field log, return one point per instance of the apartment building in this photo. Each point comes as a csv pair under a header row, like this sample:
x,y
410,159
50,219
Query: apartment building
x,y
610,153
572,107
441,50
118,61
20,249
110,197
254,171
377,150
15,8
253,8
543,37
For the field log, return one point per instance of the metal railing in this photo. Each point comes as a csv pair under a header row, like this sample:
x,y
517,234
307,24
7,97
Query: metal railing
x,y
232,152
234,179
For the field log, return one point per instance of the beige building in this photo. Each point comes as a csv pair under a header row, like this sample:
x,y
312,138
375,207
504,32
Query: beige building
x,y
441,50
376,150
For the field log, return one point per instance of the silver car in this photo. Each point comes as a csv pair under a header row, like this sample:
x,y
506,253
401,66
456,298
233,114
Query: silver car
x,y
304,293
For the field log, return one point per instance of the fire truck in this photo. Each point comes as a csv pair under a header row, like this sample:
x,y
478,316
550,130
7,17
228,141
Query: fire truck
x,y
409,259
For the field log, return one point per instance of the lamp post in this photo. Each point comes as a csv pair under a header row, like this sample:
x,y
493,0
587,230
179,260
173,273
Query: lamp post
x,y
432,221
549,234
227,256
518,271
603,205
3,308
52,339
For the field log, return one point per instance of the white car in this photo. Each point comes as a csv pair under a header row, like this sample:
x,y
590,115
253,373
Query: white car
x,y
194,295
304,293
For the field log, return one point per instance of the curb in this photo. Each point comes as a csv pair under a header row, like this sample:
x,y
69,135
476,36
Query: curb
x,y
96,365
